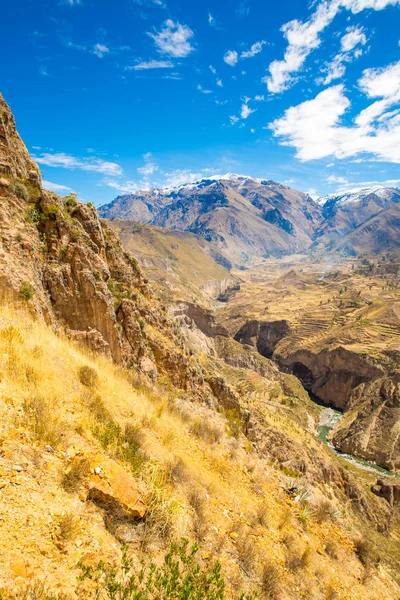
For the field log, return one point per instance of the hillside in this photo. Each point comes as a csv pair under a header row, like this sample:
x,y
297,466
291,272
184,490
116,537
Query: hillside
x,y
183,265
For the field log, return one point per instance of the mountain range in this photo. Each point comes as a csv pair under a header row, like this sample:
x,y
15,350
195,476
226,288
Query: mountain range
x,y
250,219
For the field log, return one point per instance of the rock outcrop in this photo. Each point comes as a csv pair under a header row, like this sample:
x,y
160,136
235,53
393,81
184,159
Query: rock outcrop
x,y
370,428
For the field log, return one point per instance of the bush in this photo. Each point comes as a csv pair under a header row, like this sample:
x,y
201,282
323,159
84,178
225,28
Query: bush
x,y
68,527
26,291
201,429
41,419
181,577
88,376
366,553
270,580
21,191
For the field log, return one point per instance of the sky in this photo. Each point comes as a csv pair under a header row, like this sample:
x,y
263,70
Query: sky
x,y
115,97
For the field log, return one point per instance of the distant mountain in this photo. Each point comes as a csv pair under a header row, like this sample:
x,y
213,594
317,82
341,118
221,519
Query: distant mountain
x,y
246,218
249,219
366,220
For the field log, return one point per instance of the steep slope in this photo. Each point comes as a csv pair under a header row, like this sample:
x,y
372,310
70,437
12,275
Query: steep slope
x,y
161,442
366,221
246,218
183,265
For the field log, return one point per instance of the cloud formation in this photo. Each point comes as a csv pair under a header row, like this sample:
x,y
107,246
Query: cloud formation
x,y
231,58
316,130
151,64
303,38
67,161
173,39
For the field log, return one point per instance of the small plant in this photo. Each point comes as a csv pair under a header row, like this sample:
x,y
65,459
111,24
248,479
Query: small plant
x,y
21,191
75,474
196,500
201,429
366,553
50,213
42,420
324,511
180,577
270,580
68,527
26,291
88,376
234,423
33,216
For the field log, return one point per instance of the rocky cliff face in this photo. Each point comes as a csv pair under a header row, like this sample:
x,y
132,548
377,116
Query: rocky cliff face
x,y
67,266
370,428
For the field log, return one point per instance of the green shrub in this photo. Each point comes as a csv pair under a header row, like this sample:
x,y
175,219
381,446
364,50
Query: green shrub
x,y
26,291
21,191
181,577
33,215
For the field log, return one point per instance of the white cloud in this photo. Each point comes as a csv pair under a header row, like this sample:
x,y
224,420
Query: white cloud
x,y
259,98
213,70
211,20
149,168
231,58
219,83
67,161
350,43
202,90
315,129
151,64
335,179
255,49
354,37
304,37
246,111
233,119
100,50
55,187
173,39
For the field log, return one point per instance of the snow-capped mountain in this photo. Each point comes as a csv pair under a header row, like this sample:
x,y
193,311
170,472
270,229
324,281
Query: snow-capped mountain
x,y
247,218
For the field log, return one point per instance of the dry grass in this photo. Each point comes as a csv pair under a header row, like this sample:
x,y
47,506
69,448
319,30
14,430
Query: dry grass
x,y
68,526
270,581
88,376
171,465
204,431
75,474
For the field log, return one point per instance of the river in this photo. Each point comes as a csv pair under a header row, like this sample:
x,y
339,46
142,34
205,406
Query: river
x,y
329,418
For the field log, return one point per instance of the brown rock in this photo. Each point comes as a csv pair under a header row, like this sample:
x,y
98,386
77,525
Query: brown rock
x,y
116,491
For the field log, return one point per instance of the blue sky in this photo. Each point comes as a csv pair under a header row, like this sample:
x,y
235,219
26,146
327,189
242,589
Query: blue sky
x,y
115,97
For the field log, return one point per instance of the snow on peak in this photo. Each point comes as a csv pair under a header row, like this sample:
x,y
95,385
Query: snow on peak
x,y
354,195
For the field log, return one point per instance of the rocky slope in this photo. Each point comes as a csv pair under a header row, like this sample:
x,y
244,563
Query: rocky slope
x,y
245,217
362,221
182,265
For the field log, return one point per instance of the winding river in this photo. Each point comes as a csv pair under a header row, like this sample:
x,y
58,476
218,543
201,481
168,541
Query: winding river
x,y
329,418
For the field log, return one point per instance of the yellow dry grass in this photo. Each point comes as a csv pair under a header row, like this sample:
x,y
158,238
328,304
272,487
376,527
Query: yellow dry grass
x,y
215,491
